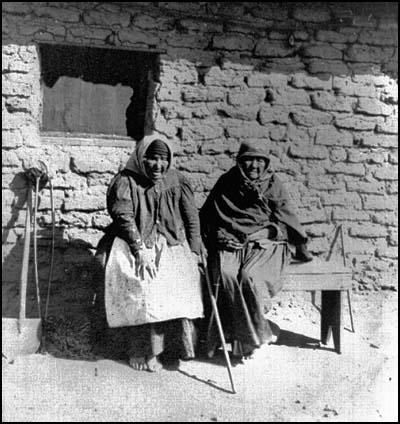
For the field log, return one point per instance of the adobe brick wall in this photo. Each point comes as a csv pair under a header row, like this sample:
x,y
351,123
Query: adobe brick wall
x,y
319,81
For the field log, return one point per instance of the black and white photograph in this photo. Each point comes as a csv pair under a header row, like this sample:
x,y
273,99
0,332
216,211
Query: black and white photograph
x,y
200,211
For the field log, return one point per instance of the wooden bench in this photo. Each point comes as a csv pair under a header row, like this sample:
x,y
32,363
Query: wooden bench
x,y
331,278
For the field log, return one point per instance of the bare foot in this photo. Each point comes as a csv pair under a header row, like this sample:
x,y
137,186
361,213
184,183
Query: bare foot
x,y
242,351
138,363
260,353
248,356
275,332
153,364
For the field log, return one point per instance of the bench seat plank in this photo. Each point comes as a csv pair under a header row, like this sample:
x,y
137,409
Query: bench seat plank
x,y
317,266
299,282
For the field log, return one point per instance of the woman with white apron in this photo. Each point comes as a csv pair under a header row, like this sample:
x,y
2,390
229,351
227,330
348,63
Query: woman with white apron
x,y
150,251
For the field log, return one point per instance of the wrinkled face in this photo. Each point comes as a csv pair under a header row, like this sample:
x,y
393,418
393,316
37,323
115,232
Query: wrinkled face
x,y
156,166
253,166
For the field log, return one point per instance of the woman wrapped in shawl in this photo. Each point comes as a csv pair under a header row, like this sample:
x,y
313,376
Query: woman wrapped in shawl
x,y
247,222
152,282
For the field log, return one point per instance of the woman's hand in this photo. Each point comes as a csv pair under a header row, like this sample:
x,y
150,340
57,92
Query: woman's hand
x,y
145,261
226,242
233,245
197,258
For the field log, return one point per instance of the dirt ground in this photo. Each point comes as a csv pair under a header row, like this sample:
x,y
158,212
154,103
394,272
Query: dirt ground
x,y
293,380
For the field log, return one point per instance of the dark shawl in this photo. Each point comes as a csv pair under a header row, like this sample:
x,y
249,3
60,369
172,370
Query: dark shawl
x,y
238,207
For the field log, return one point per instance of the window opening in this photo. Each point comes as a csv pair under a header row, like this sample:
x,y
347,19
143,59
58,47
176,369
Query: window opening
x,y
96,91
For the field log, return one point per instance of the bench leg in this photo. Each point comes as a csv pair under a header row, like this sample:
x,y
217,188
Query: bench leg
x,y
331,302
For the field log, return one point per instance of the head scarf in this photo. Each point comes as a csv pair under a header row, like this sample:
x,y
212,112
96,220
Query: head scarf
x,y
157,147
254,148
135,162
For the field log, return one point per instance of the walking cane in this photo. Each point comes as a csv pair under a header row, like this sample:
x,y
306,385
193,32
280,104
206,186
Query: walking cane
x,y
35,259
211,322
218,321
53,220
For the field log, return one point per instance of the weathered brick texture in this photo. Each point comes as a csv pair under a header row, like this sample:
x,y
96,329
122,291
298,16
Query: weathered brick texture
x,y
321,90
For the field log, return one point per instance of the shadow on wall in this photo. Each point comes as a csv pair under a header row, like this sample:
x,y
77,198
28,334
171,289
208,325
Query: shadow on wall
x,y
72,252
72,325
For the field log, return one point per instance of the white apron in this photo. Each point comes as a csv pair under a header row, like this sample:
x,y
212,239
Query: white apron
x,y
175,291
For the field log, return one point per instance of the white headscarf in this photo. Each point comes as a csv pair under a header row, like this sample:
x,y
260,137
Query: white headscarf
x,y
135,162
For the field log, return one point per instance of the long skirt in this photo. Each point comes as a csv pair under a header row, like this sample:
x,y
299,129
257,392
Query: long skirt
x,y
150,316
247,280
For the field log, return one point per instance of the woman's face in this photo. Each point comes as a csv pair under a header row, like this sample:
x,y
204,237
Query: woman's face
x,y
156,166
253,166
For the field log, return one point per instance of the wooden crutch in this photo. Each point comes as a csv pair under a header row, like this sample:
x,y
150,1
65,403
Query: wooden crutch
x,y
217,319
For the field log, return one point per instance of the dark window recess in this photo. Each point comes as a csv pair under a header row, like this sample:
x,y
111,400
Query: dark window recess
x,y
96,90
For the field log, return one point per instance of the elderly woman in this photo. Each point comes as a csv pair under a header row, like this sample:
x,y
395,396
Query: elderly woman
x,y
152,282
247,222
